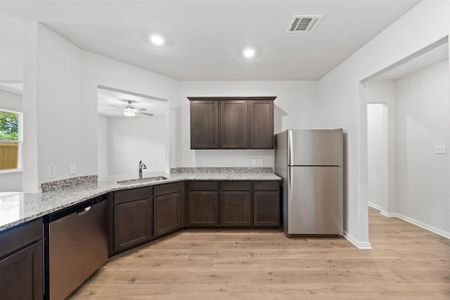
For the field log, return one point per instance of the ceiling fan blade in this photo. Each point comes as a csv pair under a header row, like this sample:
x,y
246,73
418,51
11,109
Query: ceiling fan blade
x,y
146,114
118,107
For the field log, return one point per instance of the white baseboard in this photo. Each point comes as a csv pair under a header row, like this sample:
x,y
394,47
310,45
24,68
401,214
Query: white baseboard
x,y
357,243
376,206
379,208
425,226
428,227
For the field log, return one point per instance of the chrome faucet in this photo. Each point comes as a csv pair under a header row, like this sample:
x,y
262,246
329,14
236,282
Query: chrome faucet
x,y
141,167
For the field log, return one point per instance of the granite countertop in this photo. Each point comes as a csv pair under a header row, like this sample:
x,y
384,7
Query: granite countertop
x,y
17,208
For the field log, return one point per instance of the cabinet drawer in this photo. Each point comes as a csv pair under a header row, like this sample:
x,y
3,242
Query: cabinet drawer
x,y
121,197
168,188
203,185
267,185
236,185
20,236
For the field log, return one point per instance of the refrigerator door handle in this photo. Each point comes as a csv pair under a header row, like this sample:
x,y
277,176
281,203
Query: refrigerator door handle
x,y
290,185
291,152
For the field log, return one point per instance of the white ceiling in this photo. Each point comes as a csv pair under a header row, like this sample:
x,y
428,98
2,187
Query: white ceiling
x,y
205,37
111,103
422,61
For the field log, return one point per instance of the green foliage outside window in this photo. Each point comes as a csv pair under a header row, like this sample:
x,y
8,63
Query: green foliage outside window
x,y
9,126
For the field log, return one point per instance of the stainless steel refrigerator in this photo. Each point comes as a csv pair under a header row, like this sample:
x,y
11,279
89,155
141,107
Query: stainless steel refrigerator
x,y
311,165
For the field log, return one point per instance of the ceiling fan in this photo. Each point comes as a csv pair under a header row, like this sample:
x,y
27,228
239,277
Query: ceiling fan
x,y
131,110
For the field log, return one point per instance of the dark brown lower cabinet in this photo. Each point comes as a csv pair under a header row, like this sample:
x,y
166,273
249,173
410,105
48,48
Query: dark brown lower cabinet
x,y
21,274
203,208
21,262
236,208
167,213
132,223
132,214
266,208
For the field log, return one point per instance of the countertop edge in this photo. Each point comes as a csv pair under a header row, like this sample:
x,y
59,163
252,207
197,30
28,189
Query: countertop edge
x,y
117,187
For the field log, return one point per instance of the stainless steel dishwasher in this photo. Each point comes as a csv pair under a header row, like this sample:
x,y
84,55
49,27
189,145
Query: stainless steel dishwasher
x,y
76,246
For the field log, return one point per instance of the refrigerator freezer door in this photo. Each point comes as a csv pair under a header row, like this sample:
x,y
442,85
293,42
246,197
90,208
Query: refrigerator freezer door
x,y
315,200
318,147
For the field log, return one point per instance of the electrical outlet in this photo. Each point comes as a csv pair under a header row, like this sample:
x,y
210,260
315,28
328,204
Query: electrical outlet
x,y
440,149
72,169
51,171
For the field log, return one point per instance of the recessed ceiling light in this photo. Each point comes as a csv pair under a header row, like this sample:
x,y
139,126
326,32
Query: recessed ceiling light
x,y
248,52
157,40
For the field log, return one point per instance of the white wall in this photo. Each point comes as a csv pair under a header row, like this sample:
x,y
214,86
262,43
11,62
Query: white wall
x,y
11,63
377,147
340,93
295,107
52,107
423,121
60,113
102,147
133,139
10,181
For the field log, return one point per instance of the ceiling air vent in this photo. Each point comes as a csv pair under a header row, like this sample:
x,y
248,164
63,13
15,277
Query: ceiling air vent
x,y
305,23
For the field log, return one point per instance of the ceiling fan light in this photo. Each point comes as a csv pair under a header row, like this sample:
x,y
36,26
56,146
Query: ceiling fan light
x,y
129,112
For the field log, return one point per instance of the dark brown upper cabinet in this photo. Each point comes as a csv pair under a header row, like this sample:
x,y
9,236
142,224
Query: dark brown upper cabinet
x,y
232,122
260,117
204,124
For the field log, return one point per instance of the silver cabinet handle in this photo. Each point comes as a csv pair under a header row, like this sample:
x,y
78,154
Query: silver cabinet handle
x,y
83,211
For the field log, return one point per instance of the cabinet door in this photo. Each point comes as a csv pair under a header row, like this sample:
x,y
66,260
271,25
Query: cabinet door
x,y
266,208
236,208
261,124
204,124
168,213
203,208
132,223
233,124
21,274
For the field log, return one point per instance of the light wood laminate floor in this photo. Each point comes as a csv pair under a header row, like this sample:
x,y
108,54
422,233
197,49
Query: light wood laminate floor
x,y
407,262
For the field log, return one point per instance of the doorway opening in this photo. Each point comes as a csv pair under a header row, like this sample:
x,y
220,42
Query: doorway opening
x,y
407,138
377,155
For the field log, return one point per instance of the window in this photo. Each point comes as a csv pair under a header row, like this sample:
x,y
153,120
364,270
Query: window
x,y
10,140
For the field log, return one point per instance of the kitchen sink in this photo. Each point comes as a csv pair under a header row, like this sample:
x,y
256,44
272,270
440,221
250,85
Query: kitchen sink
x,y
145,179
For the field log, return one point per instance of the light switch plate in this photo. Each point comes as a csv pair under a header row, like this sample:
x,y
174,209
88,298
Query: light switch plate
x,y
440,149
51,171
72,169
